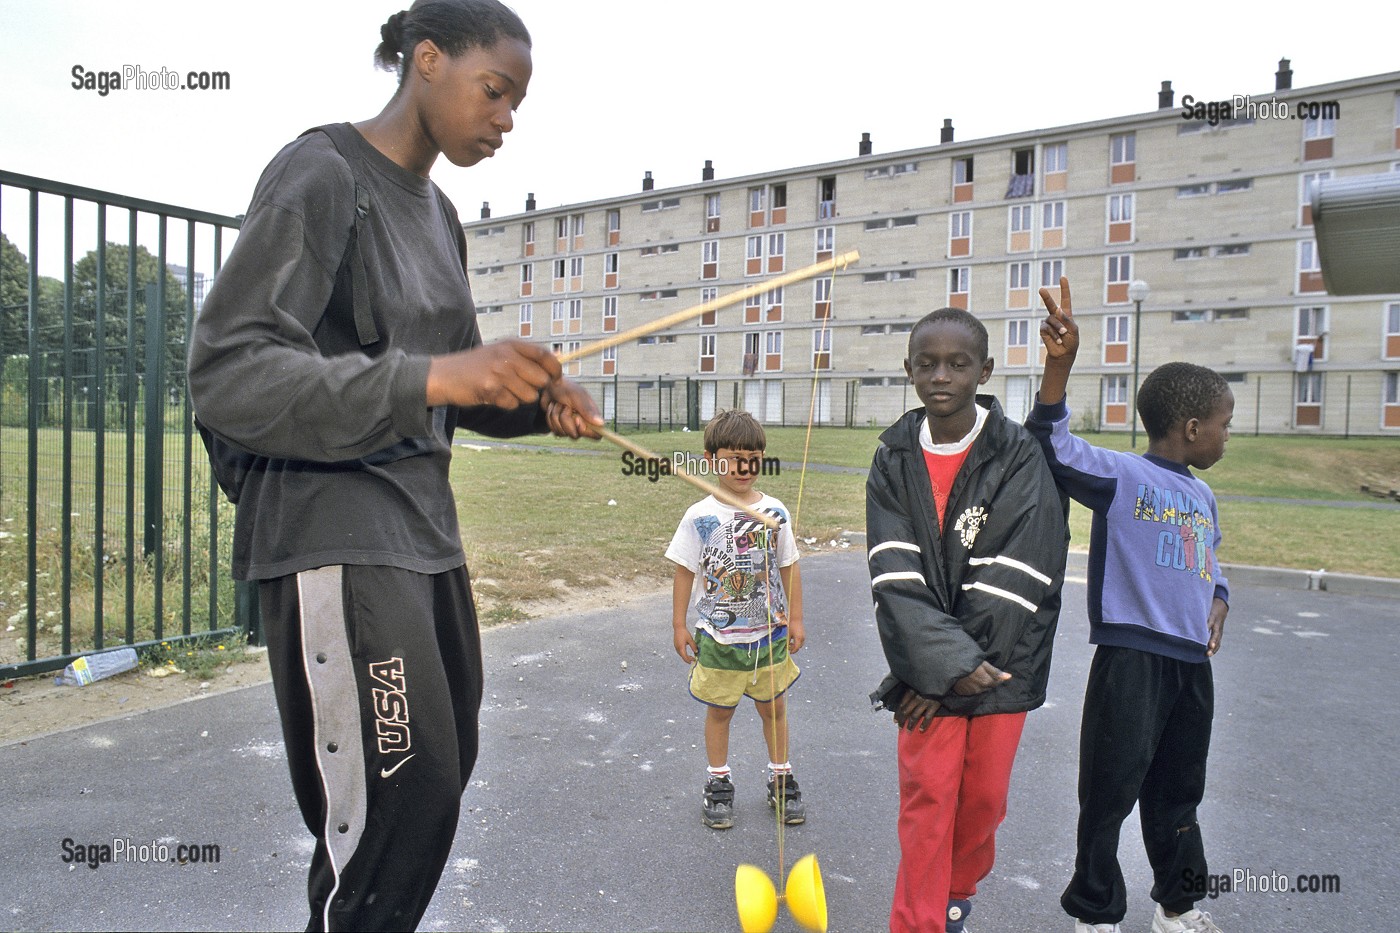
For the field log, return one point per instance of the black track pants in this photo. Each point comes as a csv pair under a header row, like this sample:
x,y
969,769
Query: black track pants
x,y
1144,740
378,678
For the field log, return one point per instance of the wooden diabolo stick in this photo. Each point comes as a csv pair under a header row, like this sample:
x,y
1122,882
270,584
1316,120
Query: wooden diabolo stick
x,y
706,487
680,317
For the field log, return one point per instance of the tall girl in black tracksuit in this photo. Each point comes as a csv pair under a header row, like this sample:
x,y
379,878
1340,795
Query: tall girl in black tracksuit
x,y
337,352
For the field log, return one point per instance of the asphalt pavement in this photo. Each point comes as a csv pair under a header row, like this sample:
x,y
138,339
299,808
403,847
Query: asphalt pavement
x,y
584,812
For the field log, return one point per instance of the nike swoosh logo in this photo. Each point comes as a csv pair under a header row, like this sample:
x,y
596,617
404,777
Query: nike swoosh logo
x,y
389,772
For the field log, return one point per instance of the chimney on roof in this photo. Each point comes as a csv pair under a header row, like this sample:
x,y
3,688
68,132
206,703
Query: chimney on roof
x,y
1166,96
485,210
647,183
864,144
1283,78
945,135
530,201
708,172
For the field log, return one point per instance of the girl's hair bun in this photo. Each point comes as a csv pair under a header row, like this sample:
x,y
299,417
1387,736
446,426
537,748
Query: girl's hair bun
x,y
387,55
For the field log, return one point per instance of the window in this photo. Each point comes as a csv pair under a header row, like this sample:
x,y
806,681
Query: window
x,y
1318,136
753,255
1056,164
527,315
575,315
772,351
1122,158
1023,161
1190,252
608,363
773,305
826,243
753,309
960,234
890,171
527,279
664,204
707,353
1050,272
658,294
1018,222
826,197
1193,191
1052,225
1230,314
1018,285
778,212
1391,346
758,206
712,213
561,234
1193,316
1120,273
527,236
610,270
561,271
1306,186
614,226
708,295
821,349
1312,333
894,275
1115,339
576,274
1390,391
490,231
709,259
776,248
962,179
610,314
1230,249
1309,267
576,224
887,223
559,348
1120,218
821,298
558,316
1307,400
1235,184
1115,401
1018,342
660,249
958,283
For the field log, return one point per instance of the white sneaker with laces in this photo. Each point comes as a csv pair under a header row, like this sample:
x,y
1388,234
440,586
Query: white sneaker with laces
x,y
1193,921
1081,927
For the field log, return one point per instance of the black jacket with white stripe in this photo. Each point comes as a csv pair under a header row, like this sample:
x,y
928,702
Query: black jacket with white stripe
x,y
987,588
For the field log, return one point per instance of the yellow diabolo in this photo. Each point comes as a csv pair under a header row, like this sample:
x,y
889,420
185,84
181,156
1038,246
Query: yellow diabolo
x,y
758,899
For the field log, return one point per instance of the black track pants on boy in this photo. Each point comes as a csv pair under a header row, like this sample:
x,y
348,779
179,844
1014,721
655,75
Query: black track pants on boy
x,y
377,672
1144,740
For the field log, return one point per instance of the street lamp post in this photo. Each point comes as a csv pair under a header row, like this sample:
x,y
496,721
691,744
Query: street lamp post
x,y
1138,292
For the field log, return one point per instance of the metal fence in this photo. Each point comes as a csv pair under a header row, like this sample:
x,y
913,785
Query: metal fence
x,y
111,528
1339,403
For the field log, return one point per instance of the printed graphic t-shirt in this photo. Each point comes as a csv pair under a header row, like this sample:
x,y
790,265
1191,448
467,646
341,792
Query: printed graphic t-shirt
x,y
736,562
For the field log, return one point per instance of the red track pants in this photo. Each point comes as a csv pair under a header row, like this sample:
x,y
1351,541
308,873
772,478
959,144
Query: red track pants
x,y
953,781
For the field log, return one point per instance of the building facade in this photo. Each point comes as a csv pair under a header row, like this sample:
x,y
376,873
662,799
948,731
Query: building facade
x,y
1206,203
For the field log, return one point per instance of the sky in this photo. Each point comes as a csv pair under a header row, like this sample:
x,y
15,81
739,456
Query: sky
x,y
622,87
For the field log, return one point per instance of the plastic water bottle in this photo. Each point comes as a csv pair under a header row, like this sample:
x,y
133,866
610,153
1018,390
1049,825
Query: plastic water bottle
x,y
88,668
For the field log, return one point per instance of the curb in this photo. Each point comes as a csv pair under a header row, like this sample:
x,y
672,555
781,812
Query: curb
x,y
1282,578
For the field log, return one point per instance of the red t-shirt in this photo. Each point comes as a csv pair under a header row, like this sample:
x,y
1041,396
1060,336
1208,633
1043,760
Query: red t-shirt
x,y
942,470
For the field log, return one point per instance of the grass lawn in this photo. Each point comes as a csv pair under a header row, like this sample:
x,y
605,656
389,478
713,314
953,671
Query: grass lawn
x,y
538,523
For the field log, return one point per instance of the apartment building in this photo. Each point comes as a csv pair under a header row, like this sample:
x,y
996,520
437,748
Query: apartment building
x,y
1207,204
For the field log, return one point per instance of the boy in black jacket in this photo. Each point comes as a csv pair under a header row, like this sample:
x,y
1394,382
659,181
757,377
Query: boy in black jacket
x,y
967,540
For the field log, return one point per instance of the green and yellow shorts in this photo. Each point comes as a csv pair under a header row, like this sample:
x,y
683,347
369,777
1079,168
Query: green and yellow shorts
x,y
722,675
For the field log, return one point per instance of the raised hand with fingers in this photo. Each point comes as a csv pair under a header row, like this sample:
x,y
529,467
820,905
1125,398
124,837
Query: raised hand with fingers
x,y
1059,332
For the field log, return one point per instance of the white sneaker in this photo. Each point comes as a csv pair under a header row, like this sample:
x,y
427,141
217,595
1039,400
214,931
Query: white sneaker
x,y
1193,921
1081,927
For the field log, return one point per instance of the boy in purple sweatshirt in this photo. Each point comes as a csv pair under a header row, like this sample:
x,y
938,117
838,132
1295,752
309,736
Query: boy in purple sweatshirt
x,y
1157,606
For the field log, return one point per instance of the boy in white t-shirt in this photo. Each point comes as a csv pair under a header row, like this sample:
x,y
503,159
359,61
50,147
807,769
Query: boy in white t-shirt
x,y
742,580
